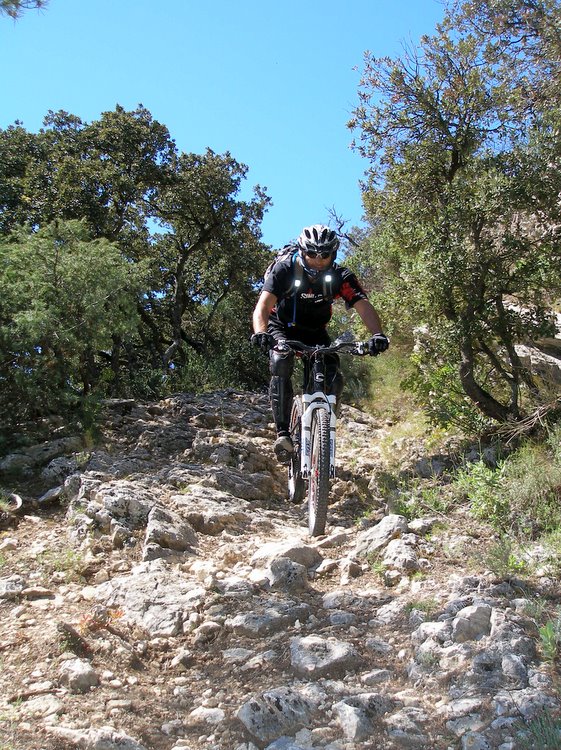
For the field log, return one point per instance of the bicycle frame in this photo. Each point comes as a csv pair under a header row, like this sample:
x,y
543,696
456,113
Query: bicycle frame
x,y
312,426
314,396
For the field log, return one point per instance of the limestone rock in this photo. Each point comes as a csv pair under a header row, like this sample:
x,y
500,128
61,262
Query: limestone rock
x,y
315,656
276,712
78,675
374,539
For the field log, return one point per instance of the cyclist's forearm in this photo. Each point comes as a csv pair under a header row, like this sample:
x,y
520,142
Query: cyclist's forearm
x,y
262,311
260,321
369,316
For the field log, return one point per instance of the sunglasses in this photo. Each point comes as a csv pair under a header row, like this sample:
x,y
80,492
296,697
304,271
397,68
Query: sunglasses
x,y
323,254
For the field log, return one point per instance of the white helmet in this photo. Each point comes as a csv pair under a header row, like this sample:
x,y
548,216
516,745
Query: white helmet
x,y
317,240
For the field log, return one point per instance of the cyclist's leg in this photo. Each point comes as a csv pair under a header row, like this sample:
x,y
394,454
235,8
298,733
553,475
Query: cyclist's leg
x,y
281,366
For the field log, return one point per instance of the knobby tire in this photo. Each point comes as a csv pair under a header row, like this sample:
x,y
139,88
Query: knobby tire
x,y
318,491
296,485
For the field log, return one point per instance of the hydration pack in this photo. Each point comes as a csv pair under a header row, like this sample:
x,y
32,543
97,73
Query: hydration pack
x,y
292,252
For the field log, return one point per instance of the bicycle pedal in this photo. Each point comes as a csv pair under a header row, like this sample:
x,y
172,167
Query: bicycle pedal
x,y
283,449
283,457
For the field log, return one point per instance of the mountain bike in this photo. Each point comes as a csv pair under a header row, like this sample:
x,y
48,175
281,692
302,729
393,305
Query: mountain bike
x,y
312,428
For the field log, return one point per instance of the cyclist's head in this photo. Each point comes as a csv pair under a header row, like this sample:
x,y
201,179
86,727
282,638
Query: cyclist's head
x,y
317,240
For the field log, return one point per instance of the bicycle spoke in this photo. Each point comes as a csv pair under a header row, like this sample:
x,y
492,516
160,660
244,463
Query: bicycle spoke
x,y
296,485
318,492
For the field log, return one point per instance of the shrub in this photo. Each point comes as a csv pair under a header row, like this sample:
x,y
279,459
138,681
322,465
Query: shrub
x,y
550,639
504,560
483,487
523,493
542,733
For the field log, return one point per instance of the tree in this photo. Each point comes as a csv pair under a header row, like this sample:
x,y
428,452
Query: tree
x,y
17,152
63,296
102,172
521,37
211,248
176,217
15,8
464,224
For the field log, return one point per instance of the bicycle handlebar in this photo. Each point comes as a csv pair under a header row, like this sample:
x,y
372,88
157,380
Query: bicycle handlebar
x,y
359,348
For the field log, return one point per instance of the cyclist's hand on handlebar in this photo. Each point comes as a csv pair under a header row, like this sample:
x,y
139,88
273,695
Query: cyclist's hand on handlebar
x,y
378,344
263,340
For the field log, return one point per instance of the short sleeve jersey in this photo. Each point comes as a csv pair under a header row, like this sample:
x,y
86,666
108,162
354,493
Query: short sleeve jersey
x,y
310,306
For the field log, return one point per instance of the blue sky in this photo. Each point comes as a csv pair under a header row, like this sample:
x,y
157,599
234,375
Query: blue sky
x,y
273,83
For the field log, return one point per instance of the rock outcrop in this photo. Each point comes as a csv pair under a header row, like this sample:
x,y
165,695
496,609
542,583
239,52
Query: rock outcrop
x,y
167,596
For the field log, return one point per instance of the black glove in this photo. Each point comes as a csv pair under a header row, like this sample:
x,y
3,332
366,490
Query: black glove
x,y
263,340
378,344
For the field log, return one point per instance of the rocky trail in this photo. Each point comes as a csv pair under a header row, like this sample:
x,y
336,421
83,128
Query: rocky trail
x,y
157,591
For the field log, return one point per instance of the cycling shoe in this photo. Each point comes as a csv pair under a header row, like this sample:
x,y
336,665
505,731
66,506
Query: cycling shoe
x,y
283,449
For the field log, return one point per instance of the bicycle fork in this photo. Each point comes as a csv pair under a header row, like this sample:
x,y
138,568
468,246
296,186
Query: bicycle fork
x,y
312,402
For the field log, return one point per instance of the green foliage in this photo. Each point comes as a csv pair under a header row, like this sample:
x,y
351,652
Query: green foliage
x,y
541,733
462,219
484,489
67,561
422,499
63,296
522,494
433,379
375,564
387,396
415,497
551,544
428,659
550,639
505,560
533,483
126,268
428,606
547,619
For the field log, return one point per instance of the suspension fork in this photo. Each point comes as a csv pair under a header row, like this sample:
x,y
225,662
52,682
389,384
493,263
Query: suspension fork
x,y
312,402
314,379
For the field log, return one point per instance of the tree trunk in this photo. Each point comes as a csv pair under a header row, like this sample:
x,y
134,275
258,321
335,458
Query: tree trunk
x,y
116,364
484,401
88,370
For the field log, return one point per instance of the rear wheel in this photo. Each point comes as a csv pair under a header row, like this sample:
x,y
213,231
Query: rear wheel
x,y
318,492
296,485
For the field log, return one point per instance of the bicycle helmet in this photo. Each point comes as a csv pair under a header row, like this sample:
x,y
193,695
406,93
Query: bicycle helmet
x,y
318,239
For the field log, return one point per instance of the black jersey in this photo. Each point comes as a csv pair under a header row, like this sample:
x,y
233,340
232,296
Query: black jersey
x,y
309,305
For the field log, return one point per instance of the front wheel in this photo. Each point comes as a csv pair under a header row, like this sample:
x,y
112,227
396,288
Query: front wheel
x,y
296,485
318,492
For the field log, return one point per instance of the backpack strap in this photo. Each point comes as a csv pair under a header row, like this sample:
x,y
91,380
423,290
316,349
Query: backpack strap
x,y
298,271
296,285
328,285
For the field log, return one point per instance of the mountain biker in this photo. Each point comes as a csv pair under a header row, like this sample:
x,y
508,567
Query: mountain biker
x,y
295,303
